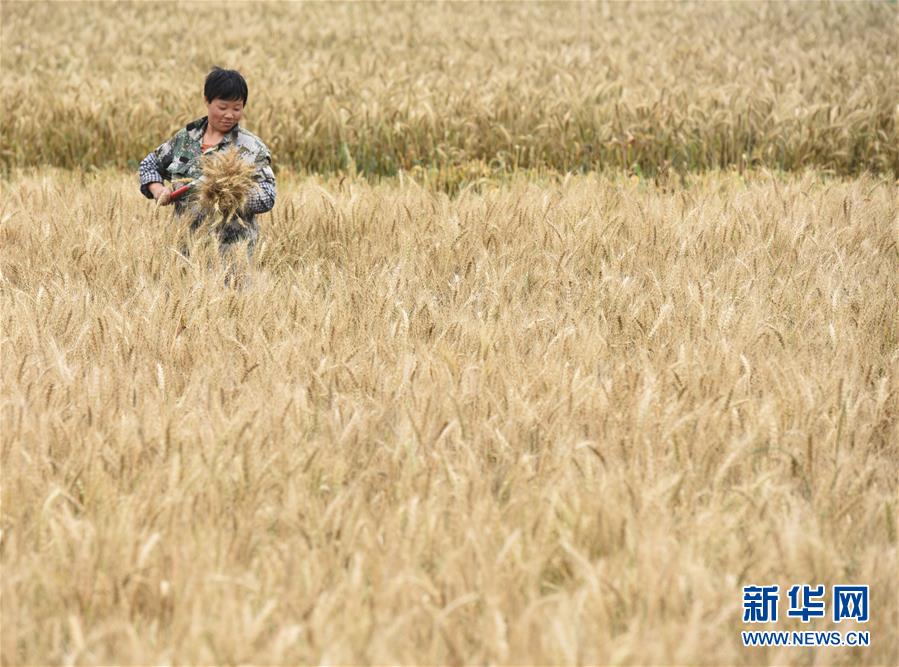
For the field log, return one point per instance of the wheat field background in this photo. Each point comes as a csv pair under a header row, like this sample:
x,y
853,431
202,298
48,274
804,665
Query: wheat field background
x,y
490,396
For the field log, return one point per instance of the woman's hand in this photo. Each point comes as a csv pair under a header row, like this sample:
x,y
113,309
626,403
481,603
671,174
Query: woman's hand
x,y
161,194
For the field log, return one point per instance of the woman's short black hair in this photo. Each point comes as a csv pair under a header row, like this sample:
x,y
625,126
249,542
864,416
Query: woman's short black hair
x,y
225,84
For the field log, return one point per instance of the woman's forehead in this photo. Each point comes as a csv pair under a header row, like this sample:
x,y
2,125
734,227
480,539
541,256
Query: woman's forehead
x,y
219,100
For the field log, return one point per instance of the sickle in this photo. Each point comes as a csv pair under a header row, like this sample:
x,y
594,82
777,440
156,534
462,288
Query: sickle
x,y
180,192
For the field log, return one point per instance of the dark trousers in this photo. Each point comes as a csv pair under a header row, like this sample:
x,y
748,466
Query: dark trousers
x,y
229,234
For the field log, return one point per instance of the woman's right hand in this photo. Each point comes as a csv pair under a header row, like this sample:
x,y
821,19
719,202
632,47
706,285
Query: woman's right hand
x,y
161,193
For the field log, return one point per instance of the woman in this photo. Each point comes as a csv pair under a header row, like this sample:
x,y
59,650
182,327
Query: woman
x,y
177,160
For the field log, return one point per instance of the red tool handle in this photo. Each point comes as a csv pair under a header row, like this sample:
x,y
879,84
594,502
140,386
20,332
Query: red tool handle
x,y
180,192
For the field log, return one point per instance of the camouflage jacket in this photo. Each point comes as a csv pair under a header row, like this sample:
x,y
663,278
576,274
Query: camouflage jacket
x,y
177,160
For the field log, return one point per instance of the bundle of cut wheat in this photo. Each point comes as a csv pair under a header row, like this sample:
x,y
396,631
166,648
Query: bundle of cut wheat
x,y
226,183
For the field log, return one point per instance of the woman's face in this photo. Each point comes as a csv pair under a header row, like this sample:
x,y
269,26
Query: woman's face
x,y
224,114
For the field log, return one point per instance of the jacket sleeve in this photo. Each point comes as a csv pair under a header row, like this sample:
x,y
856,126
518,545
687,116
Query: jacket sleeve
x,y
262,198
154,168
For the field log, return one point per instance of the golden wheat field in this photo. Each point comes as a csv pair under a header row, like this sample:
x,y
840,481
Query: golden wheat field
x,y
570,321
460,90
